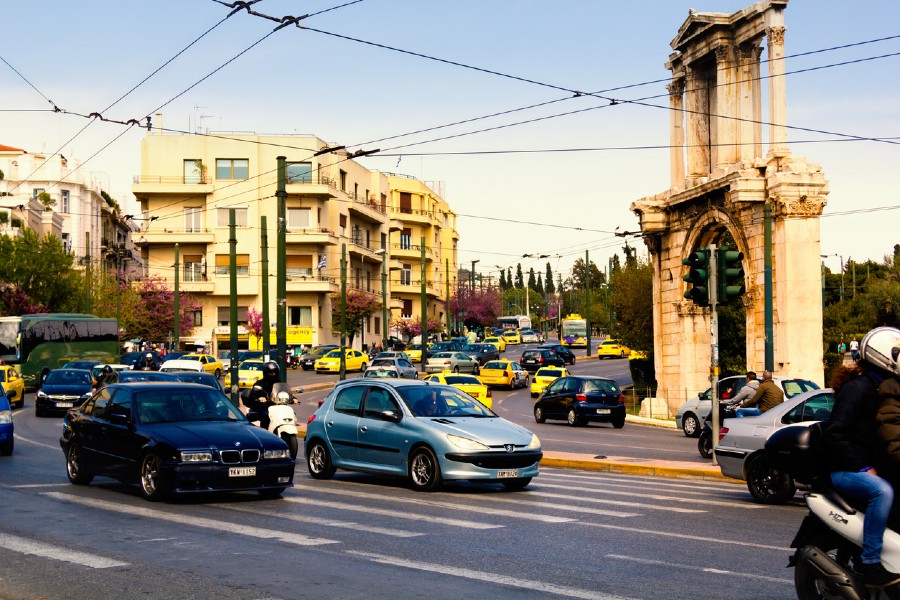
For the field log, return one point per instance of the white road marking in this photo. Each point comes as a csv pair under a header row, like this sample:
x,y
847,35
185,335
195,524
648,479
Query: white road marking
x,y
525,499
600,490
19,438
326,522
218,526
393,513
539,587
34,548
693,538
647,561
36,485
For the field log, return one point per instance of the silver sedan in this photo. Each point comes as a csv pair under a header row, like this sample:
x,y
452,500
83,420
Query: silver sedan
x,y
403,366
457,362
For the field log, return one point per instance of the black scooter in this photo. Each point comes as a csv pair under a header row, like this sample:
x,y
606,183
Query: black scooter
x,y
705,441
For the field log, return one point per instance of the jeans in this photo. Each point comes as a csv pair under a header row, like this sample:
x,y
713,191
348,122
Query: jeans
x,y
880,496
747,412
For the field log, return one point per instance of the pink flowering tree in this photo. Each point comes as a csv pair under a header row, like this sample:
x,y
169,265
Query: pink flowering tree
x,y
360,306
410,328
475,308
254,322
148,312
14,301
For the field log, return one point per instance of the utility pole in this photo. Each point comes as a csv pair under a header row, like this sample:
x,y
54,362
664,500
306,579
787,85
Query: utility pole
x,y
424,342
266,324
233,316
447,293
281,301
384,297
343,374
714,346
587,300
87,281
176,324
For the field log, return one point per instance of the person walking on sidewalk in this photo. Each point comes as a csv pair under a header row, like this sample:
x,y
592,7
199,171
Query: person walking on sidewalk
x,y
854,349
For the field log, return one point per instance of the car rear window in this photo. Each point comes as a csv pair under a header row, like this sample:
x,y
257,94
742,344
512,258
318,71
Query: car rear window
x,y
792,387
461,380
531,354
599,386
549,373
495,364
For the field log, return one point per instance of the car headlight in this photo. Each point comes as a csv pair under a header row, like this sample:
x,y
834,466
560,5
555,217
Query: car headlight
x,y
279,453
41,394
201,456
465,443
5,417
535,443
86,396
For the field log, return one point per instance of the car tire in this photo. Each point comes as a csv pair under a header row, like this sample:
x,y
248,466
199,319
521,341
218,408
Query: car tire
x,y
271,492
318,461
766,483
572,418
363,368
75,468
618,423
539,416
456,369
424,470
7,448
516,484
150,477
533,395
218,373
476,370
690,425
291,440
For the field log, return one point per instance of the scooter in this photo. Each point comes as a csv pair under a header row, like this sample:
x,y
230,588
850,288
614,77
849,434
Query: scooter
x,y
705,441
282,419
829,540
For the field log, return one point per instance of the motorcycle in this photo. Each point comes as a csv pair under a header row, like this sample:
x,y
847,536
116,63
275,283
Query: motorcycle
x,y
294,362
705,441
282,419
829,541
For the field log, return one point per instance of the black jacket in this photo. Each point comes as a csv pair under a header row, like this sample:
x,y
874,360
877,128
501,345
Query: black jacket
x,y
851,439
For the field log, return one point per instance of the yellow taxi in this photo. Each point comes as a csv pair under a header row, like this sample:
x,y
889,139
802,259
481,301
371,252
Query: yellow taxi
x,y
249,372
503,372
544,377
512,336
612,349
497,341
467,383
331,363
13,385
210,363
414,352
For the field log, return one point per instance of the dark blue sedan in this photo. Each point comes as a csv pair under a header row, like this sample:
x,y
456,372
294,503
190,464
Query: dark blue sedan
x,y
6,425
172,438
61,390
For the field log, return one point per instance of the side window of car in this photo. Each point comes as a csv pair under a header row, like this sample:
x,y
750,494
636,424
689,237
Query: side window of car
x,y
98,404
572,385
349,400
558,386
377,402
405,363
119,404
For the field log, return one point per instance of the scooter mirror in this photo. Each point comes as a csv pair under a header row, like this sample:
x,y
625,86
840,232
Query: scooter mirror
x,y
298,390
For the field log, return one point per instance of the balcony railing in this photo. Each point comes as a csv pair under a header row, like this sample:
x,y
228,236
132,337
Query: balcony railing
x,y
172,179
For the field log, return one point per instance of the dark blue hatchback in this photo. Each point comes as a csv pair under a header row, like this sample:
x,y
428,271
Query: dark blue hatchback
x,y
580,399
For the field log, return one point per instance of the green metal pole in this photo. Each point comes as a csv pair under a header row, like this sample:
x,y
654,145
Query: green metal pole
x,y
87,281
384,299
424,341
343,312
266,323
233,316
447,294
281,301
587,299
176,311
767,284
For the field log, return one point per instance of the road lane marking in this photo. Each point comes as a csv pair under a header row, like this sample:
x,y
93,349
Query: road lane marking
x,y
326,522
631,494
35,485
19,438
526,499
218,526
393,513
539,587
685,536
34,548
679,566
482,510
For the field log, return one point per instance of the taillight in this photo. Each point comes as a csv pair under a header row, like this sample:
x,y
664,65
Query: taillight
x,y
540,359
321,402
489,395
581,397
311,418
722,432
446,362
621,399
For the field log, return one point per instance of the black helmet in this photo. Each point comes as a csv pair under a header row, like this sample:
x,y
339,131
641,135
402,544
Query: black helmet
x,y
107,369
270,370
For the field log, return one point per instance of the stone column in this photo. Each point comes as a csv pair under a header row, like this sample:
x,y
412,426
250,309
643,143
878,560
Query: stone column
x,y
757,104
697,105
726,108
676,130
777,91
746,102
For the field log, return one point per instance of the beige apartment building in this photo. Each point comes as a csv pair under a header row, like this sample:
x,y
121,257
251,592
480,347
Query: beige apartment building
x,y
187,186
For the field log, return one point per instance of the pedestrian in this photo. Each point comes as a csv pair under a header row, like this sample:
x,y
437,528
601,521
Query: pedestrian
x,y
768,396
854,349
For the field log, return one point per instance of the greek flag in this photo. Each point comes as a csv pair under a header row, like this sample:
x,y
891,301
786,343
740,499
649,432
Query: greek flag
x,y
321,263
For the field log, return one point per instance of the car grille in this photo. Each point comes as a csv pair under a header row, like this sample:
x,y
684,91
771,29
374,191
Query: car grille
x,y
232,457
62,398
498,460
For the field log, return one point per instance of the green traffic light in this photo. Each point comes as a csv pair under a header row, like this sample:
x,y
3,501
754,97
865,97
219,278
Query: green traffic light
x,y
697,276
730,272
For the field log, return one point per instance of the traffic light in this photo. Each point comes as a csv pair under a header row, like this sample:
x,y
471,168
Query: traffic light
x,y
698,276
730,274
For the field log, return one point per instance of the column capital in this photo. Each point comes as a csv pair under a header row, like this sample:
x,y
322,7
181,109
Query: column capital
x,y
676,87
724,53
749,51
776,35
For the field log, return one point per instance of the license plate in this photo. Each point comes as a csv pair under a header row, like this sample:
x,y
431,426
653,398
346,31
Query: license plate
x,y
502,474
603,411
242,472
64,405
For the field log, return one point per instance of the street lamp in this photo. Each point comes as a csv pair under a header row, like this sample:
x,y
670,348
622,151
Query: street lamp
x,y
384,311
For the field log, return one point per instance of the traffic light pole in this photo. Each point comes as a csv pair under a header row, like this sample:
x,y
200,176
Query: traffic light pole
x,y
714,348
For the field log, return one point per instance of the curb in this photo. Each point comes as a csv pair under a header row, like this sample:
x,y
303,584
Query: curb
x,y
633,466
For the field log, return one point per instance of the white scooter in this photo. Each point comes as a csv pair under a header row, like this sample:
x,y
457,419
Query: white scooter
x,y
830,538
282,419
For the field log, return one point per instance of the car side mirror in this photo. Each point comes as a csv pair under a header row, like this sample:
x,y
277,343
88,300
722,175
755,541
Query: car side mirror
x,y
118,418
252,415
703,395
389,415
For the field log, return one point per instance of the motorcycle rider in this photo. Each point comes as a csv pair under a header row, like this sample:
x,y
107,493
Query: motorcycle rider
x,y
855,454
258,398
146,363
104,378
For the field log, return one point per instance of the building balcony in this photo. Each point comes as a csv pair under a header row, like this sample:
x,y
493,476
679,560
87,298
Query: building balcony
x,y
358,247
312,283
197,286
173,236
369,210
413,287
311,236
410,252
320,186
156,185
395,224
409,215
395,265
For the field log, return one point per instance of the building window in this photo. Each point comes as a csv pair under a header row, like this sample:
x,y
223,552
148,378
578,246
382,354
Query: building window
x,y
36,192
192,215
405,202
222,264
193,170
196,317
65,201
66,242
356,235
368,281
343,226
343,181
240,217
407,309
232,168
298,218
406,239
194,268
356,191
223,314
377,325
406,275
298,266
383,202
358,272
299,172
384,242
300,316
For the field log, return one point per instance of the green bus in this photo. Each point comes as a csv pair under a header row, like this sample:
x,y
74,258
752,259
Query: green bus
x,y
41,342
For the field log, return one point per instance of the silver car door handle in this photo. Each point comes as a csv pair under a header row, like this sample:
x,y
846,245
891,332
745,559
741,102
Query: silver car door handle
x,y
364,429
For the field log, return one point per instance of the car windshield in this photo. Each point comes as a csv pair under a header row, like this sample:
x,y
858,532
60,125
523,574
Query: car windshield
x,y
251,366
133,376
201,378
442,401
194,357
792,387
68,377
442,346
474,348
496,364
2,375
333,354
171,406
389,373
462,380
443,355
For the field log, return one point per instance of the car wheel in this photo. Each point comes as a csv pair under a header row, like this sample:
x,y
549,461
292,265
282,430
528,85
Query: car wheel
x,y
766,483
37,411
218,373
572,418
533,395
151,477
362,369
456,369
690,425
271,492
291,440
516,484
539,415
704,446
424,470
318,461
618,423
74,467
7,448
476,370
572,361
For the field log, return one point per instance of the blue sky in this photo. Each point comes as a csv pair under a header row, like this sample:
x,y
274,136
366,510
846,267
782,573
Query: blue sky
x,y
85,55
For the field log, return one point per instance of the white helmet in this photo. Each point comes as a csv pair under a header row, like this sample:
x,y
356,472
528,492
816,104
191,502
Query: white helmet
x,y
881,348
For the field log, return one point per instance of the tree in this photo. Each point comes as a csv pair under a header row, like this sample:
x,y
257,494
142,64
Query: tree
x,y
520,281
42,270
509,278
502,280
631,297
532,282
549,280
360,305
15,302
46,201
481,307
410,328
540,285
146,309
255,323
579,275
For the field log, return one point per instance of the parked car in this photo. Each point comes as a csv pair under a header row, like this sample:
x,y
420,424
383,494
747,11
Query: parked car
x,y
424,431
470,384
145,376
62,390
383,371
532,360
741,453
612,349
177,364
172,356
7,429
455,362
404,368
564,351
202,378
414,352
505,373
171,439
691,414
210,363
580,399
13,384
544,377
483,353
249,372
308,359
354,360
